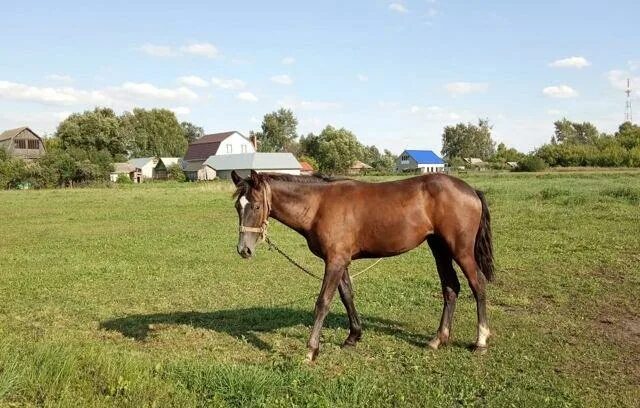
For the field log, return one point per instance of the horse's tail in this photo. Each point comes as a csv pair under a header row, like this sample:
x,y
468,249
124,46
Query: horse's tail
x,y
484,247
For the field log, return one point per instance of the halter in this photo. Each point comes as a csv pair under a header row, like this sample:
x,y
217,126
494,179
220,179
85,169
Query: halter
x,y
262,229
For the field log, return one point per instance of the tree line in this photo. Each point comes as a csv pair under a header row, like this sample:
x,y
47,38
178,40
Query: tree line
x,y
85,146
332,151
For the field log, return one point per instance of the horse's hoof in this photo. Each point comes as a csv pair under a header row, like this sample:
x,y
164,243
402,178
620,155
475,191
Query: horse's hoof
x,y
434,343
480,349
348,344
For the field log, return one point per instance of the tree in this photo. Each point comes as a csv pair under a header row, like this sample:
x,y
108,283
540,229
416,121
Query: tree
x,y
154,132
338,149
504,154
468,140
574,132
385,163
278,132
628,135
93,130
191,131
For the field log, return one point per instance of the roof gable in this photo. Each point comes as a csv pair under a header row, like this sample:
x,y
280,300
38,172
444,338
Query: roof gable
x,y
208,145
424,156
11,133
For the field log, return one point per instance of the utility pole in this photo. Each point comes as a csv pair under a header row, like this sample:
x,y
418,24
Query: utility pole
x,y
628,114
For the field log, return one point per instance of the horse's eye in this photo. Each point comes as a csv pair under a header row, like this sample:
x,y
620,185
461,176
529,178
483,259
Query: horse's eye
x,y
257,206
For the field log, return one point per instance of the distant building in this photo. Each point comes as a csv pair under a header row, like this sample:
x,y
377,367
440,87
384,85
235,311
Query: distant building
x,y
196,171
127,169
23,143
155,167
261,162
420,161
306,168
474,161
218,144
358,167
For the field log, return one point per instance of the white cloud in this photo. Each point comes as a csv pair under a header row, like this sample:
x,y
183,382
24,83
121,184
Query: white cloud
x,y
282,79
463,88
247,97
398,8
201,49
193,80
288,60
571,62
228,83
60,78
158,50
362,78
47,95
181,110
143,90
560,91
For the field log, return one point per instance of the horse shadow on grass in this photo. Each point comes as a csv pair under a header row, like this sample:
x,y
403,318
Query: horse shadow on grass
x,y
244,324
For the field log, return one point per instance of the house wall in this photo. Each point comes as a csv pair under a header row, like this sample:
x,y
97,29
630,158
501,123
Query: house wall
x,y
26,153
226,174
431,168
235,144
406,164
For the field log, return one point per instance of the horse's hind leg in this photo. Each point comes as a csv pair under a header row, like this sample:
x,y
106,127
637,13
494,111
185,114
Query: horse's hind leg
x,y
477,281
450,288
346,295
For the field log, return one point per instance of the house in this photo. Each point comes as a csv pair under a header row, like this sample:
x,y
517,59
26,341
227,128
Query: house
x,y
474,161
218,144
306,168
512,165
420,161
196,171
119,169
261,162
358,167
155,167
22,142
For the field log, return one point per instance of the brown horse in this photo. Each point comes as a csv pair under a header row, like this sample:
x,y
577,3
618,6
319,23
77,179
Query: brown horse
x,y
345,219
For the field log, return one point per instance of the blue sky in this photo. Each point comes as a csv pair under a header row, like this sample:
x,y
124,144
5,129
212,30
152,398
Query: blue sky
x,y
393,72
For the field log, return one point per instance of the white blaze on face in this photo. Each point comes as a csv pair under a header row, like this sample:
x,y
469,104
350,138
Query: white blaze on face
x,y
243,203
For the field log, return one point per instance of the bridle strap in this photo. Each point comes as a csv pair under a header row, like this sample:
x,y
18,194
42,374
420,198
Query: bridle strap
x,y
262,230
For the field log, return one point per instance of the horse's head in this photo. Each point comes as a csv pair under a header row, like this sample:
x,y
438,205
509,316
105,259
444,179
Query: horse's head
x,y
253,203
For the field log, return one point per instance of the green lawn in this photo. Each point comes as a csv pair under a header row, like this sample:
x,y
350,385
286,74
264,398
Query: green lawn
x,y
135,296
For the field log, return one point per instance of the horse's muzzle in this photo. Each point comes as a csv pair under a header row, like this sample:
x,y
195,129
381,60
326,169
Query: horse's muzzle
x,y
245,252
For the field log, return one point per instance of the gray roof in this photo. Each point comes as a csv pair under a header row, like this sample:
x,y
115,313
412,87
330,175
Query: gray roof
x,y
123,168
11,133
255,161
141,161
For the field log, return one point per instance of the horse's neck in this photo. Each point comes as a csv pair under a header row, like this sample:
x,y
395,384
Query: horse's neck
x,y
293,205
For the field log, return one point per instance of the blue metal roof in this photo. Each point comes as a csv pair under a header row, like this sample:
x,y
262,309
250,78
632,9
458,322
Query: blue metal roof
x,y
424,156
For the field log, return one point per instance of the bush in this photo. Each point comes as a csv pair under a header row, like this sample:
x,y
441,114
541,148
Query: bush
x,y
531,163
124,179
176,173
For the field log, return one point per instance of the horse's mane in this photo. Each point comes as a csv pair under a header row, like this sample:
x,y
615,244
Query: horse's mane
x,y
316,178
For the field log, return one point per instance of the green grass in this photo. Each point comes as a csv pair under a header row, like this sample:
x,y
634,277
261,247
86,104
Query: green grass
x,y
134,296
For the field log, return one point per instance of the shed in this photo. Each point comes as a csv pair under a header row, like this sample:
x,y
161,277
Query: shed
x,y
198,171
261,162
420,161
22,142
306,168
134,173
161,169
358,167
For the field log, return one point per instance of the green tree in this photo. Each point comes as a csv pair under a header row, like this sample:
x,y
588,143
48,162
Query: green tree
x,y
574,132
338,149
93,130
154,132
385,163
191,131
278,133
628,135
468,140
504,154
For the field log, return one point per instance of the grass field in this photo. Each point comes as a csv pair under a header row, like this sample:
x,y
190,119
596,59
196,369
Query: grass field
x,y
134,296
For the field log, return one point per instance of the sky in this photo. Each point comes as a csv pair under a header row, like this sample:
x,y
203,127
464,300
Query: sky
x,y
393,72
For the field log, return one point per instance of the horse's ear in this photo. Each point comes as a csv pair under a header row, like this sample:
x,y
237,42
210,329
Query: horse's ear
x,y
236,179
255,178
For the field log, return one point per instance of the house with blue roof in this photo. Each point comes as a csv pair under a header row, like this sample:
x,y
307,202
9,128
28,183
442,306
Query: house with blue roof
x,y
420,161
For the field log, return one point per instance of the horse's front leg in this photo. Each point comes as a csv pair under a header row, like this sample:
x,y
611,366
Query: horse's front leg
x,y
332,274
346,294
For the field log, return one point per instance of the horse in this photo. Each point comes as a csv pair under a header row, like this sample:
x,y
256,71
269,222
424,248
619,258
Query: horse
x,y
345,219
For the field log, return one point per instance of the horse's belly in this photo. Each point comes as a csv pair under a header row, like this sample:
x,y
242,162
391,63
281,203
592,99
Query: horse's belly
x,y
392,238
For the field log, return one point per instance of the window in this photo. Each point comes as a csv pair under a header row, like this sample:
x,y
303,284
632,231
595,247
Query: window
x,y
229,148
243,148
21,144
34,144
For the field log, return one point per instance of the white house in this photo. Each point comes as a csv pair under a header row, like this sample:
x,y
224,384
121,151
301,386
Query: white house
x,y
422,161
284,163
218,144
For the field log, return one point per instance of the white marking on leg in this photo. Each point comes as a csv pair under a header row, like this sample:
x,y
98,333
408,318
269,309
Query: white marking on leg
x,y
483,335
